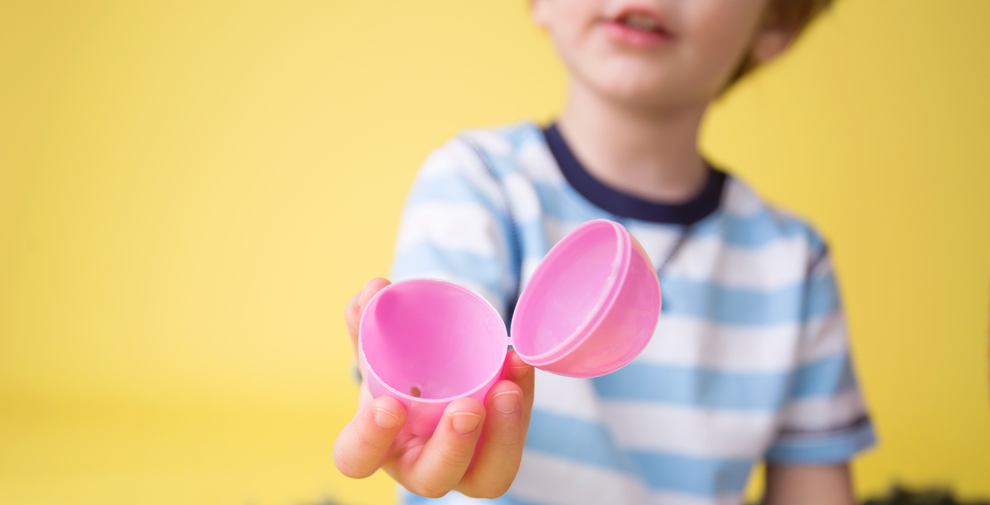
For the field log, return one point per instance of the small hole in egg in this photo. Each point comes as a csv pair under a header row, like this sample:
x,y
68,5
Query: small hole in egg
x,y
415,392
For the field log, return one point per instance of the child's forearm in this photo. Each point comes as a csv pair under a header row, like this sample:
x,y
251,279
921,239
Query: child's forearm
x,y
808,485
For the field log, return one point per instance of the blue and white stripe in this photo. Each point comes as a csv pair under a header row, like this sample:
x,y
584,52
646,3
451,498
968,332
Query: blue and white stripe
x,y
750,359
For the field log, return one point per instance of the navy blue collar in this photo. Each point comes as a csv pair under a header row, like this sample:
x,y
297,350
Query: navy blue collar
x,y
623,205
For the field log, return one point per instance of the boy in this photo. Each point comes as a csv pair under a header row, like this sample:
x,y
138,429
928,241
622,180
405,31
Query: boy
x,y
750,357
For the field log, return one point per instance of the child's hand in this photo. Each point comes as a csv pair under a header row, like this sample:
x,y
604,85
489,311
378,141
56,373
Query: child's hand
x,y
460,455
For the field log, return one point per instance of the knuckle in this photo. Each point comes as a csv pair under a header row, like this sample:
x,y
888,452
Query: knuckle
x,y
509,438
454,456
346,467
364,443
354,453
487,490
427,489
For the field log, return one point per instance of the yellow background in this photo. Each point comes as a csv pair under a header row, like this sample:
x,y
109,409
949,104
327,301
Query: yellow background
x,y
190,191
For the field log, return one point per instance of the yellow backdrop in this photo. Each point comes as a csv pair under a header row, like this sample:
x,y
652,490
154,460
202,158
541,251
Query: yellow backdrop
x,y
190,191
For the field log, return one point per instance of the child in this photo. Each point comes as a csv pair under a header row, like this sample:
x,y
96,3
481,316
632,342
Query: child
x,y
750,358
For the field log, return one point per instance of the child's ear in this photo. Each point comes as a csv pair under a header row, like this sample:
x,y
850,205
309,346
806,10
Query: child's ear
x,y
773,38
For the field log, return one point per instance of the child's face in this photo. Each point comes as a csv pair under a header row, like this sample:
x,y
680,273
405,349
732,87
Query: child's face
x,y
656,54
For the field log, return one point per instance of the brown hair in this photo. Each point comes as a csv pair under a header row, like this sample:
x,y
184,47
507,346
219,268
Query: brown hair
x,y
794,15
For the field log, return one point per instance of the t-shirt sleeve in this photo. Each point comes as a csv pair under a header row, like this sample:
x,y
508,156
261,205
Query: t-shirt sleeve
x,y
825,419
456,227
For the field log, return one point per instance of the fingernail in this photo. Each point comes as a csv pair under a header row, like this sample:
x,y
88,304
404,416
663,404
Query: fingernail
x,y
466,422
518,371
385,419
506,402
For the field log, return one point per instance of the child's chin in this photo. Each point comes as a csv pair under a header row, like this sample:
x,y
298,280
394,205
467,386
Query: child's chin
x,y
651,90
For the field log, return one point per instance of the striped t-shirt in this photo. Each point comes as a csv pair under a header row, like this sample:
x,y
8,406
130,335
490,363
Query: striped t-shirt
x,y
750,360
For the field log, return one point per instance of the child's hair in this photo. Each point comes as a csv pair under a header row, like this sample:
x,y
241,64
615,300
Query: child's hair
x,y
794,15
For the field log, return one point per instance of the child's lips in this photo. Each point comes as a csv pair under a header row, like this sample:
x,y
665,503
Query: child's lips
x,y
637,26
624,34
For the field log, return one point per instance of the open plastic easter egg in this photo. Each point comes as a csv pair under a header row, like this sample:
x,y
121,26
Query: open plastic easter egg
x,y
590,307
427,343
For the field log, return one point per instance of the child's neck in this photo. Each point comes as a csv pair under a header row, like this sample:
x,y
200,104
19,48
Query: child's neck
x,y
651,155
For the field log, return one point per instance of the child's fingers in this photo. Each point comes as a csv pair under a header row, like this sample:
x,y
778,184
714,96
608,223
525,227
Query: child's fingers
x,y
351,317
355,307
516,370
363,444
500,450
373,286
447,454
